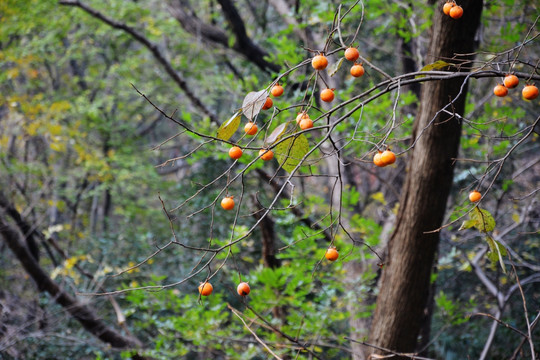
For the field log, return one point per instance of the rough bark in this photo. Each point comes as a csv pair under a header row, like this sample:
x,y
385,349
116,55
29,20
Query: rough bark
x,y
81,312
406,277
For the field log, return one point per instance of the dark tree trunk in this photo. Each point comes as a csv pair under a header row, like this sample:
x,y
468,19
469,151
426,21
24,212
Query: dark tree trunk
x,y
79,311
405,281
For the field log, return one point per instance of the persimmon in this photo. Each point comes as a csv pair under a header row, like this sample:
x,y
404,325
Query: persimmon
x,y
301,116
500,90
243,289
388,157
205,288
266,154
511,81
277,90
475,196
267,104
456,12
352,54
327,95
377,159
319,62
250,128
227,203
235,152
530,92
357,70
331,254
446,7
306,123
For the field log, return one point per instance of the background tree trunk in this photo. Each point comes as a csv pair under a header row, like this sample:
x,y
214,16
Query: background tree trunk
x,y
406,277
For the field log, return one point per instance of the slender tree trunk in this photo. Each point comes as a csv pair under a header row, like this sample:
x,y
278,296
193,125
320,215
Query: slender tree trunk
x,y
405,281
80,311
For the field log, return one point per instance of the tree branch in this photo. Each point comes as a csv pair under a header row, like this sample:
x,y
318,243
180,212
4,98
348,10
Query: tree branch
x,y
158,55
243,44
81,312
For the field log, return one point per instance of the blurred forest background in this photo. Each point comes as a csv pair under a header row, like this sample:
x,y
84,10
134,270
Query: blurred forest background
x,y
85,180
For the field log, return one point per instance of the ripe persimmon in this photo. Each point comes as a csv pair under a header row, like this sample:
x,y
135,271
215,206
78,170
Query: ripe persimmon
x,y
306,123
377,159
319,62
456,12
235,152
352,54
500,90
475,196
446,8
267,104
301,116
250,128
205,288
227,203
511,81
243,289
530,92
357,70
327,95
388,157
331,254
266,154
277,90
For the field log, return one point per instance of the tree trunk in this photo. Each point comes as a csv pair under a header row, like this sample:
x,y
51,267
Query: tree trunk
x,y
79,311
406,277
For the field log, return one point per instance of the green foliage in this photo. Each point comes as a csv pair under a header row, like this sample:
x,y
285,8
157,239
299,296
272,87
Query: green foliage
x,y
73,133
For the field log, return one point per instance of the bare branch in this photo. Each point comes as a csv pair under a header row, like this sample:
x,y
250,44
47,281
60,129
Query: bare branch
x,y
154,49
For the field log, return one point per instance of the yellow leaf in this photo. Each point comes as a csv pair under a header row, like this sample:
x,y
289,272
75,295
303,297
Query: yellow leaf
x,y
32,128
70,263
60,106
516,218
54,129
379,196
130,265
228,128
12,73
59,147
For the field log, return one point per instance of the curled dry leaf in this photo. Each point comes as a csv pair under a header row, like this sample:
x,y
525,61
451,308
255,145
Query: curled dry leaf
x,y
253,102
276,134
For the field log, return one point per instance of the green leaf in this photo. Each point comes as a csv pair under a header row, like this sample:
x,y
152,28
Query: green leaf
x,y
496,252
228,128
253,102
291,151
467,224
483,220
437,65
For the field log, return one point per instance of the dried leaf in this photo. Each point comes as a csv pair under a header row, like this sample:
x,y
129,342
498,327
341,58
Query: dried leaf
x,y
276,134
335,67
253,102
